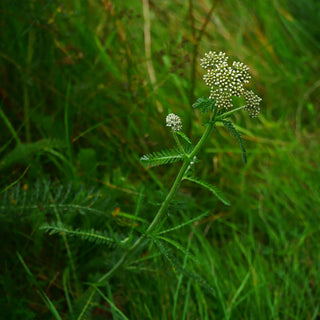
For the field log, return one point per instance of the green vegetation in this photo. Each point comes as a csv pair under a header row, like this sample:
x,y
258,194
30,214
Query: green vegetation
x,y
85,87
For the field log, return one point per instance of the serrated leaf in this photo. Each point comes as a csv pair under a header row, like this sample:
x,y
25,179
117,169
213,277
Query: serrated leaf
x,y
215,190
178,246
184,224
204,104
183,136
92,235
161,157
236,134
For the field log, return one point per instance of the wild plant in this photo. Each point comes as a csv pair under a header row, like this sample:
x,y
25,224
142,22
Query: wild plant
x,y
225,82
228,87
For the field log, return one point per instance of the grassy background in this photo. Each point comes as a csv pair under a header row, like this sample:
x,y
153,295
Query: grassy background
x,y
84,90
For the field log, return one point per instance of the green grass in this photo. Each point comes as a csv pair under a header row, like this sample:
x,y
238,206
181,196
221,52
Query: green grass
x,y
81,103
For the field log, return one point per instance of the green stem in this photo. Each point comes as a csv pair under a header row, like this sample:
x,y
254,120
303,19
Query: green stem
x,y
228,113
155,221
168,198
164,206
176,138
205,135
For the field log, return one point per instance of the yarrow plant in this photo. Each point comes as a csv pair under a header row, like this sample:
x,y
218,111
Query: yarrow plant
x,y
225,82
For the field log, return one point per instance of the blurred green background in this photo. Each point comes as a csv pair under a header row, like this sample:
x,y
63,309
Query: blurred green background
x,y
84,90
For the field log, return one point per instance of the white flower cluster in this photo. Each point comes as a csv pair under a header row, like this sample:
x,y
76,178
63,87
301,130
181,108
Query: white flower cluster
x,y
225,81
212,59
173,121
253,102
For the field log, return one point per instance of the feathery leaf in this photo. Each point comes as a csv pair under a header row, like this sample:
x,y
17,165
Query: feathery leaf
x,y
183,136
45,197
236,134
161,157
179,247
92,235
184,224
204,104
210,187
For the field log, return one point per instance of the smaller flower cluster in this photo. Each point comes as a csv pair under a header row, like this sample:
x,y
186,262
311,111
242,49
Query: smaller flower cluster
x,y
173,121
212,59
252,103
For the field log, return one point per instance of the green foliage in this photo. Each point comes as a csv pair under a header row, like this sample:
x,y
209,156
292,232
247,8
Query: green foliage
x,y
177,267
236,134
24,153
97,237
261,256
183,136
215,190
85,304
44,197
43,295
175,228
176,245
161,157
88,162
115,310
204,104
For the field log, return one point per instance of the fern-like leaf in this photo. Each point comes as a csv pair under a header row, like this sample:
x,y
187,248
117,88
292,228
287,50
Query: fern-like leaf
x,y
204,104
236,134
184,224
92,235
44,197
215,190
183,136
161,157
179,247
